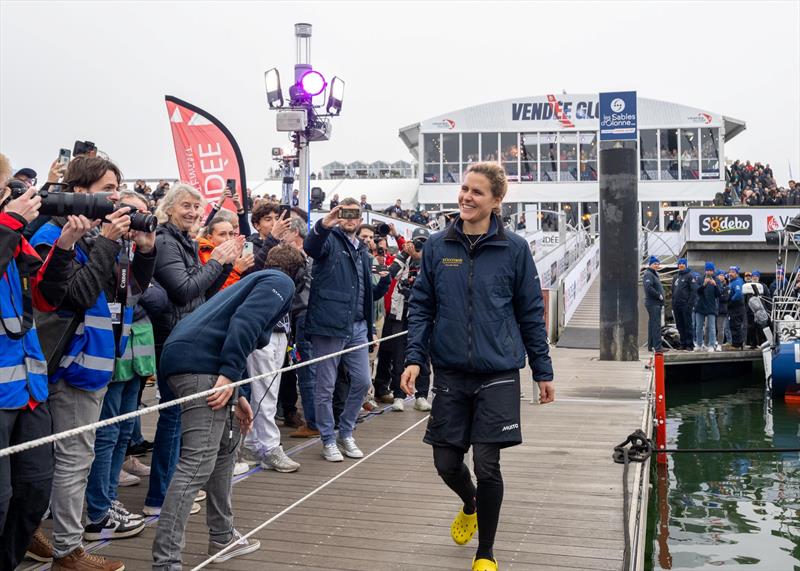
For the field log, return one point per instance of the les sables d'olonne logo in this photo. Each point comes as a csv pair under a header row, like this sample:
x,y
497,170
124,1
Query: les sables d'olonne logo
x,y
731,225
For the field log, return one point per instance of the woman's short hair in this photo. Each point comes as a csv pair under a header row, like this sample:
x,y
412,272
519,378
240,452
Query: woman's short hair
x,y
172,197
496,174
127,193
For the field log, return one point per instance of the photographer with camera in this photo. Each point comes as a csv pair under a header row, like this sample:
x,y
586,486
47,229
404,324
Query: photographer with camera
x,y
340,316
404,271
25,478
111,264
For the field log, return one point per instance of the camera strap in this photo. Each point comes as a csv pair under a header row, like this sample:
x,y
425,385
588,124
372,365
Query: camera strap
x,y
122,294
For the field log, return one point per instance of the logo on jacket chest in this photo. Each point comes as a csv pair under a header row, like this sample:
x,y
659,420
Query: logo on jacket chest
x,y
452,262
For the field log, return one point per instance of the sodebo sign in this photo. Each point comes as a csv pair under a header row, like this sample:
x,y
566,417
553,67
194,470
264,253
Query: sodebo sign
x,y
736,224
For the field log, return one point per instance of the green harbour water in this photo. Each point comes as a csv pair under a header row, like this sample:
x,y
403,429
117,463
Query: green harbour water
x,y
726,511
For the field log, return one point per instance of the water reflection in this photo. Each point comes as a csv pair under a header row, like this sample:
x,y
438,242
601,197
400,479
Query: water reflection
x,y
725,510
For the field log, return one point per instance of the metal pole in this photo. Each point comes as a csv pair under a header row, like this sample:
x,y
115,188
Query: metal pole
x,y
619,261
304,155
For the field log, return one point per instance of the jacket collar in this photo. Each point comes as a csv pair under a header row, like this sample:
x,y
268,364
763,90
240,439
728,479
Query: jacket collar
x,y
495,236
170,228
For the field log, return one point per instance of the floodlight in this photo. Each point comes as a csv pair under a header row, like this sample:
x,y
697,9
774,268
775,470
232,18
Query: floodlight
x,y
336,96
312,83
272,79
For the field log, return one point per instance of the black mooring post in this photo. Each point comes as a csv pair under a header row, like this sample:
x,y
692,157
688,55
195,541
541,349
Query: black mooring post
x,y
619,254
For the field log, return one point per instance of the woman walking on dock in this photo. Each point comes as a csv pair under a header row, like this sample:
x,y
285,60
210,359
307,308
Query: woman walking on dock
x,y
477,309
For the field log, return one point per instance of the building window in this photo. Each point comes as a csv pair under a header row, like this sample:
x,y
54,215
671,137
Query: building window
x,y
548,157
450,171
529,155
509,153
668,151
571,213
650,215
648,154
548,216
432,151
469,150
709,153
690,153
489,147
568,157
588,164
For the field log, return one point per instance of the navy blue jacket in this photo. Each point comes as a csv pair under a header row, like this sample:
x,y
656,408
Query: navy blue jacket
x,y
707,298
478,309
683,284
334,283
217,337
653,290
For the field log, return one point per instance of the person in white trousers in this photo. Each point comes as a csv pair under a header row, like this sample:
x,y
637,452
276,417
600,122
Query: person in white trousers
x,y
264,441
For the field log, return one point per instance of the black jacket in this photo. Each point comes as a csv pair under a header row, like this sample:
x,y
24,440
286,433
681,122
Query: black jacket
x,y
478,309
707,296
653,290
188,283
683,284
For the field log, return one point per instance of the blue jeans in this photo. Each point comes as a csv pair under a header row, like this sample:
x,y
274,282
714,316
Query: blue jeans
x,y
166,447
305,375
710,321
110,445
357,363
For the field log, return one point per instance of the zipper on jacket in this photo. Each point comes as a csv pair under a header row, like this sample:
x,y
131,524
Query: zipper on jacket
x,y
469,308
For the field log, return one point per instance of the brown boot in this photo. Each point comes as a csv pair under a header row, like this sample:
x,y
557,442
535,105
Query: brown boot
x,y
79,560
304,432
293,420
40,548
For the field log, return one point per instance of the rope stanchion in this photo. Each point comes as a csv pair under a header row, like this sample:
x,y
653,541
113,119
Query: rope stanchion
x,y
9,450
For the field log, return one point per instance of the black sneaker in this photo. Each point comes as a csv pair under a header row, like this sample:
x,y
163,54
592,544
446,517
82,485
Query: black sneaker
x,y
114,526
140,449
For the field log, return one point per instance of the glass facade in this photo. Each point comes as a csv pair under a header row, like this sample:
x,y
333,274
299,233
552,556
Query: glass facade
x,y
570,156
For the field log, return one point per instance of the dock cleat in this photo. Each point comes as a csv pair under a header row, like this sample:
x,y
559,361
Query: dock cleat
x,y
484,564
464,527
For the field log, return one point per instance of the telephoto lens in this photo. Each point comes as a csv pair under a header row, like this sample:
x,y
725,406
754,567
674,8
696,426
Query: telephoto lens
x,y
92,206
382,229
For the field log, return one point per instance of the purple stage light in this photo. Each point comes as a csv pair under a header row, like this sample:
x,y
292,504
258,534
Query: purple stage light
x,y
313,83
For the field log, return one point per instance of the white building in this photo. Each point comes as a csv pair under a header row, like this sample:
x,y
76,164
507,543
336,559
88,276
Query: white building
x,y
548,145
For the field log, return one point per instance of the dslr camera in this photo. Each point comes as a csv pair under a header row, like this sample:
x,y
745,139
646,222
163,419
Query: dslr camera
x,y
92,206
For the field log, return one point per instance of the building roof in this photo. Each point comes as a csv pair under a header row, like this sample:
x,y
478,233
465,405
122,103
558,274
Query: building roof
x,y
579,113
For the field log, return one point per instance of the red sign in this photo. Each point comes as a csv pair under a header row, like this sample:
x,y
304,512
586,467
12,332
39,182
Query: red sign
x,y
206,151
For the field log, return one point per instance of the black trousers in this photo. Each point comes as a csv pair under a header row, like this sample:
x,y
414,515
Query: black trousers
x,y
25,480
386,349
653,327
398,351
287,393
736,312
683,321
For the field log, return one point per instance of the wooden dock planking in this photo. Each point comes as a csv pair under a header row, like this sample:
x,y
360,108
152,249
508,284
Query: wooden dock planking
x,y
563,495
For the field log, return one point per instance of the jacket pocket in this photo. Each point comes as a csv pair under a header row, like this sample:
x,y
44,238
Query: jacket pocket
x,y
334,308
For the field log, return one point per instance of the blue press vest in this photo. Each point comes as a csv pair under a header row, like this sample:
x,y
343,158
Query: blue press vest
x,y
88,362
23,369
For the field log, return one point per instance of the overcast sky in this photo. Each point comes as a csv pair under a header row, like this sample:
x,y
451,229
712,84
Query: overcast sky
x,y
100,70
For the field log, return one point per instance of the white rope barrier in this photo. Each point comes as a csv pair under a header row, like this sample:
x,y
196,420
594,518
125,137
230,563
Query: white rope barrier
x,y
310,494
8,451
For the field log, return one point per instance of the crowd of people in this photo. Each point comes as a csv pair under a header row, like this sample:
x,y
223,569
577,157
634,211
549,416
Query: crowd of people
x,y
712,309
96,307
754,184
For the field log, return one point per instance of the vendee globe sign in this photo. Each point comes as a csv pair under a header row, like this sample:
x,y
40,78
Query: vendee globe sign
x,y
736,224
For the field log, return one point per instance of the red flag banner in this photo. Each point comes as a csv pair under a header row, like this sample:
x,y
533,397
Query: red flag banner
x,y
206,151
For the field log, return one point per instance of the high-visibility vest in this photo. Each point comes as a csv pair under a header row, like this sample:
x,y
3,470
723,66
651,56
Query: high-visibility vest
x,y
140,354
23,368
88,362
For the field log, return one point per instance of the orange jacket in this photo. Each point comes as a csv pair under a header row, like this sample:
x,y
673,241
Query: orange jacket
x,y
205,247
